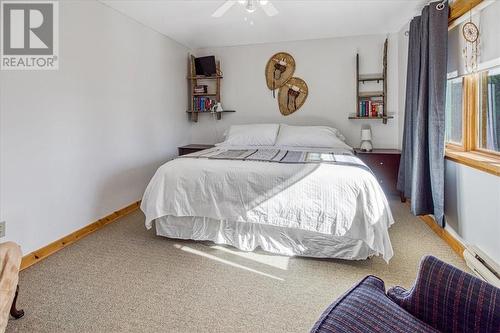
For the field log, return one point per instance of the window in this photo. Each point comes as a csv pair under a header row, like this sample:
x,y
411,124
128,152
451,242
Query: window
x,y
472,114
472,120
454,111
489,110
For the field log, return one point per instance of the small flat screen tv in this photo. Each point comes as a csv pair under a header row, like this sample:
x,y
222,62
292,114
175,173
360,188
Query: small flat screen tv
x,y
205,66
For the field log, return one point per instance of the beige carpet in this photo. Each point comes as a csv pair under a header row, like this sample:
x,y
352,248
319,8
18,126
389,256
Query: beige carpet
x,y
124,278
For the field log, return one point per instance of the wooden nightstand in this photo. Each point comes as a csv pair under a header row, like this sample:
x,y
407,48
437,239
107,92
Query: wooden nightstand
x,y
385,165
192,148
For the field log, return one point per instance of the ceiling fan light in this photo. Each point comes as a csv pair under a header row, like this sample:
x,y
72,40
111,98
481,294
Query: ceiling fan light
x,y
250,7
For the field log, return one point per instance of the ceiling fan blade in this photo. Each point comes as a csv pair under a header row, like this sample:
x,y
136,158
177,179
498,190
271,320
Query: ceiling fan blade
x,y
269,9
224,8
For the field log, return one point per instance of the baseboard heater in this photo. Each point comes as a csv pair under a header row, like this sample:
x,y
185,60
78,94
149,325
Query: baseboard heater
x,y
482,265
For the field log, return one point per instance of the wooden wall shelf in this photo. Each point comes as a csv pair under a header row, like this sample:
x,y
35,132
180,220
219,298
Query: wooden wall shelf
x,y
354,117
208,95
194,114
369,94
202,77
371,77
191,111
215,95
373,96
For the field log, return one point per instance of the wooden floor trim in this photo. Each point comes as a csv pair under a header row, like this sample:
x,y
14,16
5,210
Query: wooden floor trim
x,y
455,245
44,252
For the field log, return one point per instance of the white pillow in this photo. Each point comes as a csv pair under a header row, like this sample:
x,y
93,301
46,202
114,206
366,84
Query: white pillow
x,y
310,136
251,135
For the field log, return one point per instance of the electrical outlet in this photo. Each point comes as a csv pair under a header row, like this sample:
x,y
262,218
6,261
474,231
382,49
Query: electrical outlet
x,y
2,229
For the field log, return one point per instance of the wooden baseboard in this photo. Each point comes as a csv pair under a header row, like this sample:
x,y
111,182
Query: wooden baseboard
x,y
44,252
455,245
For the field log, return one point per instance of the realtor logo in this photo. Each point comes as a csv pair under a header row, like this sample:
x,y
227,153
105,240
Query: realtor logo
x,y
30,35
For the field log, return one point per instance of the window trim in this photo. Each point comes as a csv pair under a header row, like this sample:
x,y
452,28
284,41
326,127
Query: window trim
x,y
469,153
475,159
459,8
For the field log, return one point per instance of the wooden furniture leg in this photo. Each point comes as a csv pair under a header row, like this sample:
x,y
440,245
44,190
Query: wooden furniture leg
x,y
13,311
402,197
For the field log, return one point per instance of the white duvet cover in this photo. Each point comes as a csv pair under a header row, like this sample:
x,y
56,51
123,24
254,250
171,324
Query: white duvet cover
x,y
344,203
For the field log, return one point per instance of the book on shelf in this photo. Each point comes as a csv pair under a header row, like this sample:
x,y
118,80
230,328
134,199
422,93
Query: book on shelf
x,y
370,108
200,89
203,104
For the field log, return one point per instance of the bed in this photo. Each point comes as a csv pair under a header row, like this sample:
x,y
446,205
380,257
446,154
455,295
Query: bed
x,y
309,208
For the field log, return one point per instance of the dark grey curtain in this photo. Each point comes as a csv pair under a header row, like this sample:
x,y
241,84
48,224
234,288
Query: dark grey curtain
x,y
421,172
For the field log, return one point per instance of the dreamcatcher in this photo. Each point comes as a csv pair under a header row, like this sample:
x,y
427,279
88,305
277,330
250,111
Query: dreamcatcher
x,y
470,52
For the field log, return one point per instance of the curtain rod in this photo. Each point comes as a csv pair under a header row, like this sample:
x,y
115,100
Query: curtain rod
x,y
439,6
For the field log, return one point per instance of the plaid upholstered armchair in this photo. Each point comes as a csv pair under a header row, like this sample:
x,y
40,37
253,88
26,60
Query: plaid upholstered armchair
x,y
443,299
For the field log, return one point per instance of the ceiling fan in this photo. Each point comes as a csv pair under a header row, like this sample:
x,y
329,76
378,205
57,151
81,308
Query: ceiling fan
x,y
250,6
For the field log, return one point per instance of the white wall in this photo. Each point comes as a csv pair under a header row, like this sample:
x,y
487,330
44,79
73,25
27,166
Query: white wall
x,y
83,141
472,207
327,66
